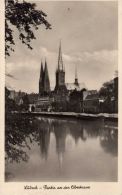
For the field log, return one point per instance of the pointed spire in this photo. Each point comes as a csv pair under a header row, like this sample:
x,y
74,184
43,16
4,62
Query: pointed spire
x,y
76,76
41,65
46,78
60,61
41,71
45,64
45,68
41,78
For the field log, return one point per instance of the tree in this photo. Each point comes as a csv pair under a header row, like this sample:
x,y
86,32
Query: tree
x,y
25,18
9,103
108,94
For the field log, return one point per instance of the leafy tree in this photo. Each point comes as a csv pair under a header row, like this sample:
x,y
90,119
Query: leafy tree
x,y
9,103
17,129
109,92
25,18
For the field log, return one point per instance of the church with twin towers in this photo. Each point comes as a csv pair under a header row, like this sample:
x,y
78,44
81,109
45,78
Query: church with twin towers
x,y
61,87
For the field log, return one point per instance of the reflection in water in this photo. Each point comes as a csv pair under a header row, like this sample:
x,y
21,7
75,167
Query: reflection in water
x,y
16,132
96,138
108,140
44,138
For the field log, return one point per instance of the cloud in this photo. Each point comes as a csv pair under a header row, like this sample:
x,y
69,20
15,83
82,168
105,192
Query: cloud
x,y
68,58
90,65
11,76
98,55
89,34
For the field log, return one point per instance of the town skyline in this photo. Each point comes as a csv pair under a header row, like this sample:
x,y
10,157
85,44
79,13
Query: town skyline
x,y
90,43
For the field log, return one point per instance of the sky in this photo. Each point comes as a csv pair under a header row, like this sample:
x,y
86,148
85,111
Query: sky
x,y
89,35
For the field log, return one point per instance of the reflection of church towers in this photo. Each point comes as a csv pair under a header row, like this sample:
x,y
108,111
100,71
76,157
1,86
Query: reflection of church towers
x,y
44,82
60,73
60,135
44,138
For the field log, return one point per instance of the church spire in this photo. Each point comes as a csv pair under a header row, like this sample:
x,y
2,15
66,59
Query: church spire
x,y
60,61
60,74
46,79
41,70
76,76
41,78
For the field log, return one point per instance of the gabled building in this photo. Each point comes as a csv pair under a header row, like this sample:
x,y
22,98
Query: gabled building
x,y
75,92
76,86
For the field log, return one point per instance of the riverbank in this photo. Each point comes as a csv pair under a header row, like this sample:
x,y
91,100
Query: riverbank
x,y
113,116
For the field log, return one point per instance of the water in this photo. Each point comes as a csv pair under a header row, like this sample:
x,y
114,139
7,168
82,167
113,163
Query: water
x,y
50,149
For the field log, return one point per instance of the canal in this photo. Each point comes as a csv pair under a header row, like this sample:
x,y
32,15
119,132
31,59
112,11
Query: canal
x,y
53,149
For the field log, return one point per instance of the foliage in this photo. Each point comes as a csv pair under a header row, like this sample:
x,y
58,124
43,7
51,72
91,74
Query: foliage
x,y
10,104
109,141
109,92
17,131
25,18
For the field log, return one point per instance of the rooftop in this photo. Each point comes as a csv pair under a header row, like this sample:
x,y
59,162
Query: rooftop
x,y
73,86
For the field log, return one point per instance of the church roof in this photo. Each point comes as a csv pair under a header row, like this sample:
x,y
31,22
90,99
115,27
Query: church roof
x,y
92,97
73,86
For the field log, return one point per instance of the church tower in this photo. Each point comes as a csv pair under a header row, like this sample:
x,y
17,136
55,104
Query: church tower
x,y
44,82
46,79
60,73
41,79
76,77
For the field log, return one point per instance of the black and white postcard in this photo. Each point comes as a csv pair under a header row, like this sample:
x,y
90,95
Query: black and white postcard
x,y
60,97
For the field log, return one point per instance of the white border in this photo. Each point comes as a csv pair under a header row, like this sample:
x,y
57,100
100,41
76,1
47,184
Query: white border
x,y
97,188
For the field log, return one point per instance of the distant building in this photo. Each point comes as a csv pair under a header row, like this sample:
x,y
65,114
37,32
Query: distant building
x,y
72,86
76,85
64,94
89,92
91,101
76,101
33,97
43,104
